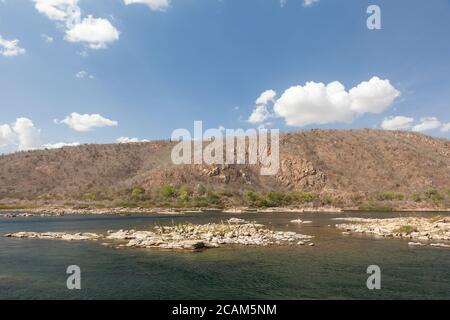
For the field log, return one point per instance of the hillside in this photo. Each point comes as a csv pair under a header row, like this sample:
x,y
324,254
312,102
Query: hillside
x,y
344,164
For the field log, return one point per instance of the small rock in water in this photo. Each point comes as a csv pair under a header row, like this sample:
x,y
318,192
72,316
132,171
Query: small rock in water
x,y
236,220
440,245
418,244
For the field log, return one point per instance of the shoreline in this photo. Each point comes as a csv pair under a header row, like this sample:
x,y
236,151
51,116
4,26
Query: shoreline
x,y
61,211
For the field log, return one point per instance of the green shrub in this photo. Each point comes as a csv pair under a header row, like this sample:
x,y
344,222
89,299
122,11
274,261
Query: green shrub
x,y
213,198
254,199
303,197
389,196
184,195
89,196
406,229
278,199
168,191
433,195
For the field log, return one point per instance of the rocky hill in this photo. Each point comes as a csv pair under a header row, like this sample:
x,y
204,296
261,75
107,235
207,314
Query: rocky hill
x,y
338,163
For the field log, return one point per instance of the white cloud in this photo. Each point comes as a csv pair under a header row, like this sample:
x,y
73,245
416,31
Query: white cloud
x,y
260,114
6,135
373,96
58,10
308,3
10,48
84,75
129,140
427,123
60,145
97,33
445,127
21,135
319,103
315,103
27,134
47,38
87,122
157,5
397,123
266,97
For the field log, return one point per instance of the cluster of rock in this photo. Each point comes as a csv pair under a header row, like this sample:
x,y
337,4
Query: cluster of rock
x,y
187,236
55,235
211,235
416,228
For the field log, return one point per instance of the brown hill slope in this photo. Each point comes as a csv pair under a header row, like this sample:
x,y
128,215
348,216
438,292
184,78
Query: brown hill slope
x,y
337,162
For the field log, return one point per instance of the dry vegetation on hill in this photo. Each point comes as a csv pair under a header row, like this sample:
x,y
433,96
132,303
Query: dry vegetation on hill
x,y
350,168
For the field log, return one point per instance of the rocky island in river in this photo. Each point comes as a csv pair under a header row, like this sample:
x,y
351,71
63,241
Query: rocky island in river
x,y
185,236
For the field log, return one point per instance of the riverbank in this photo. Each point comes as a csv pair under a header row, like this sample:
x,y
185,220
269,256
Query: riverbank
x,y
55,211
59,211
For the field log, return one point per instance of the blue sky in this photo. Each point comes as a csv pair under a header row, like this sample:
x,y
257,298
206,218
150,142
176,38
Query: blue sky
x,y
156,68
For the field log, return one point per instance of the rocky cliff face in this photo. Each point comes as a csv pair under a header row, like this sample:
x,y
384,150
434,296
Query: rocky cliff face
x,y
324,161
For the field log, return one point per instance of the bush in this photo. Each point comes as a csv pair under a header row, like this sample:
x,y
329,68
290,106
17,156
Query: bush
x,y
254,199
138,194
89,196
433,195
168,191
184,196
406,229
277,199
303,197
389,196
213,198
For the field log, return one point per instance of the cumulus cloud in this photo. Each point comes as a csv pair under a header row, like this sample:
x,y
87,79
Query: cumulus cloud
x,y
10,48
96,33
59,145
156,5
426,124
58,10
21,134
129,140
373,96
259,115
397,123
408,123
319,103
6,135
315,103
87,122
266,97
28,135
445,127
